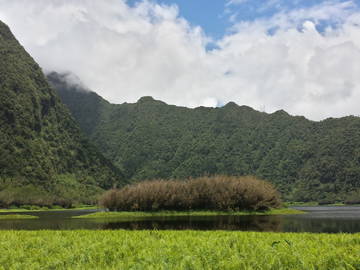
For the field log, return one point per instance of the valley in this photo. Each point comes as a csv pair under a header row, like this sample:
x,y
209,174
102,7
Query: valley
x,y
87,184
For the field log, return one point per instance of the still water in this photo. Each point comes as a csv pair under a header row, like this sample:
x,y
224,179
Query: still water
x,y
317,219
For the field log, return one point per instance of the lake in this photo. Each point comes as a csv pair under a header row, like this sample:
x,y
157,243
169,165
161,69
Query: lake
x,y
329,219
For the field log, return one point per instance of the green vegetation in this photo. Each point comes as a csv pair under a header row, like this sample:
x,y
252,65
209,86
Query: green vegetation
x,y
35,208
319,204
305,160
17,217
353,198
289,204
177,250
219,193
44,157
110,215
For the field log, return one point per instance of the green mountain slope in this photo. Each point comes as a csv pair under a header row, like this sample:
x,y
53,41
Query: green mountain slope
x,y
306,160
44,158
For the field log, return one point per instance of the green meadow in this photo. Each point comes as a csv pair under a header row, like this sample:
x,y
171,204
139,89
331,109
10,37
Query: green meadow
x,y
17,217
34,208
177,250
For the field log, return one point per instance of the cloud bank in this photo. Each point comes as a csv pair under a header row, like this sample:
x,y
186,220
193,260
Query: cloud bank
x,y
291,61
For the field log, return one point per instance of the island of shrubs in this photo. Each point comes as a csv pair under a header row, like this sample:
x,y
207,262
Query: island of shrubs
x,y
222,193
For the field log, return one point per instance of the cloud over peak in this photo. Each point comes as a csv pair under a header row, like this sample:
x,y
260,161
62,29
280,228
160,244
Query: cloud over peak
x,y
289,61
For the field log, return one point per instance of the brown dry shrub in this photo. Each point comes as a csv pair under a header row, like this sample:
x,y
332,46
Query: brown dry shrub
x,y
204,193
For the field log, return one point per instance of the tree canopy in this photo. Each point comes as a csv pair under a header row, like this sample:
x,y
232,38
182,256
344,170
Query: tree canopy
x,y
44,156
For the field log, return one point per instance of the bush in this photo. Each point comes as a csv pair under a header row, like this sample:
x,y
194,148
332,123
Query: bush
x,y
205,193
353,198
326,202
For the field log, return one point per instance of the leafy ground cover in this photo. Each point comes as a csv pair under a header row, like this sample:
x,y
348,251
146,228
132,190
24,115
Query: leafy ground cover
x,y
177,250
284,211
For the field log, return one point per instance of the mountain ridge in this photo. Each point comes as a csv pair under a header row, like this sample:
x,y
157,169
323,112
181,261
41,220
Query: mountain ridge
x,y
44,158
145,99
306,160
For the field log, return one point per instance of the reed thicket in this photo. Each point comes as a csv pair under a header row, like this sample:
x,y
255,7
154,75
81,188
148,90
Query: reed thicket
x,y
204,193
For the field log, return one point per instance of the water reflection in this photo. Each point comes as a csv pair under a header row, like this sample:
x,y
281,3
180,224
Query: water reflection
x,y
244,223
318,219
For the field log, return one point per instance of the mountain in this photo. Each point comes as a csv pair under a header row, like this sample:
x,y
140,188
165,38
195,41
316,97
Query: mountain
x,y
44,156
306,160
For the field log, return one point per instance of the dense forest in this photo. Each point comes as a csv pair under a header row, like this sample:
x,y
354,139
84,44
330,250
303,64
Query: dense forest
x,y
306,160
44,157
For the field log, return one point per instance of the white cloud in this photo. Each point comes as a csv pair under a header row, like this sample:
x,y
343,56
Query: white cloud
x,y
236,2
125,52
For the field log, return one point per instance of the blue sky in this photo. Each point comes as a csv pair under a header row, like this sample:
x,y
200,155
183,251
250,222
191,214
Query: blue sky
x,y
216,17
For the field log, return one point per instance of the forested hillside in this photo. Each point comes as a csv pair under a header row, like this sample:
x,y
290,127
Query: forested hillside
x,y
44,158
306,160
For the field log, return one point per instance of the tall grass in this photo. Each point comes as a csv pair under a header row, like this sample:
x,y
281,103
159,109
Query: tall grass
x,y
177,250
220,193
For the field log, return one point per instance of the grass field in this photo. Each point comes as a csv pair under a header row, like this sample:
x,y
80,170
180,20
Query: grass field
x,y
17,217
285,211
38,209
177,250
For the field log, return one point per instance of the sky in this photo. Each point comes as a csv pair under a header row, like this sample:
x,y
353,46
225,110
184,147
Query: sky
x,y
299,56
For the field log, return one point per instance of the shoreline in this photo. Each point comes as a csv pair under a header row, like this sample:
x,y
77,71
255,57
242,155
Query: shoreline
x,y
125,214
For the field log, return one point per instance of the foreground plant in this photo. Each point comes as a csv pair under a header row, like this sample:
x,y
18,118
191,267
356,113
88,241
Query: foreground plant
x,y
177,250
